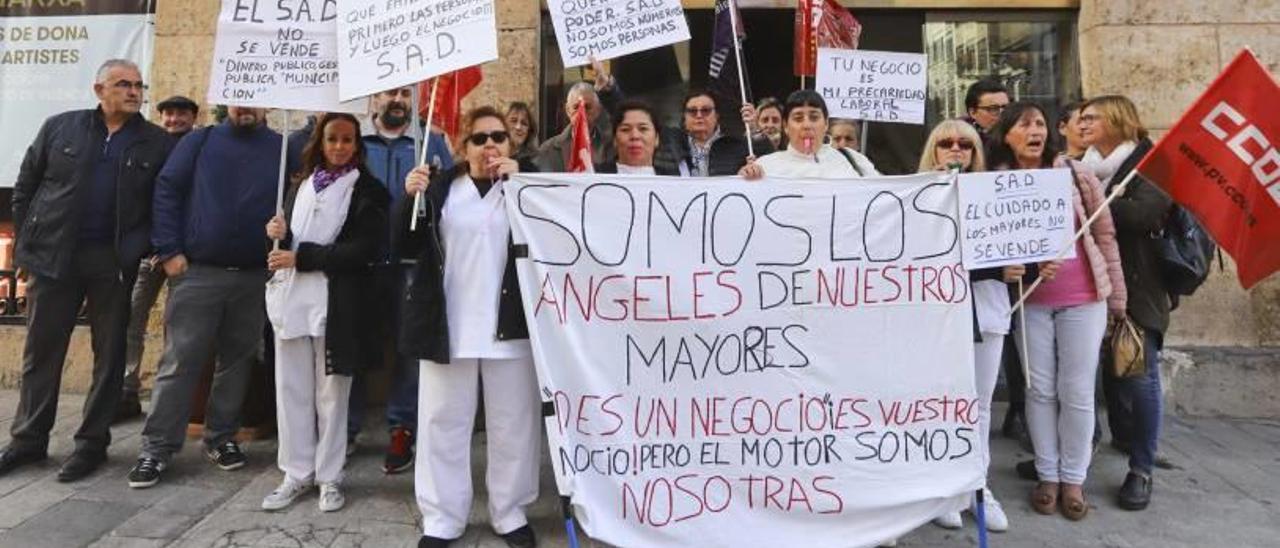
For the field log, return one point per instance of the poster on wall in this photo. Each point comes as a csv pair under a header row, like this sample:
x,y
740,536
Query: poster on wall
x,y
278,55
739,364
49,56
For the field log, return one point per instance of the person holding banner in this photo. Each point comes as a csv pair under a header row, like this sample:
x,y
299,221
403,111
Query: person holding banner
x,y
324,324
635,137
955,144
1065,319
1117,141
464,319
805,118
699,148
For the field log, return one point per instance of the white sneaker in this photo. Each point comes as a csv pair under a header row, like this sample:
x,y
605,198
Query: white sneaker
x,y
949,520
284,495
997,521
331,499
889,543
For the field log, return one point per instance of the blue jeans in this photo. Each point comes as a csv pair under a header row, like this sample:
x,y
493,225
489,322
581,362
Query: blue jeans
x,y
402,398
1135,406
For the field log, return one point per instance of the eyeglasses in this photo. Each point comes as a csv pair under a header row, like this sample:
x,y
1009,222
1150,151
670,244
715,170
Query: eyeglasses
x,y
1089,118
479,139
698,112
965,144
125,84
992,109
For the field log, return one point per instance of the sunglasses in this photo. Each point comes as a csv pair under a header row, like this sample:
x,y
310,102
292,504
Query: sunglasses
x,y
697,112
479,139
965,144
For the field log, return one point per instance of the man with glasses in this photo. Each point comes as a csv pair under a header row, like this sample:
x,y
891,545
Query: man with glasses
x,y
601,97
984,102
390,154
82,213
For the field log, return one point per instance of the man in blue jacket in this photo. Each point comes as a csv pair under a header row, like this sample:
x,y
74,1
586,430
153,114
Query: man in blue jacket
x,y
390,143
82,211
212,200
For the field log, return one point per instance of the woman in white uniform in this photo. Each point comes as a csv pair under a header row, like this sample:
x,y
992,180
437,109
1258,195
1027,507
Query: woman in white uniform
x,y
463,318
317,306
804,119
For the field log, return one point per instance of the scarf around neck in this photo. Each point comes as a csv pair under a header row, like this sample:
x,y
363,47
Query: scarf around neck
x,y
324,177
1106,167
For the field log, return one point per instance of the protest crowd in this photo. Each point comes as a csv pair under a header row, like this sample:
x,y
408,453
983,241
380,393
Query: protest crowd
x,y
393,248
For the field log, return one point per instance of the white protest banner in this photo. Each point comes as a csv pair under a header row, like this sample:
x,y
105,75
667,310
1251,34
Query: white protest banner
x,y
278,55
1015,217
49,57
612,28
877,86
780,363
387,45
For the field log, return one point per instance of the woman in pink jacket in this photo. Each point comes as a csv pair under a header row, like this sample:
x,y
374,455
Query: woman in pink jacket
x,y
1065,319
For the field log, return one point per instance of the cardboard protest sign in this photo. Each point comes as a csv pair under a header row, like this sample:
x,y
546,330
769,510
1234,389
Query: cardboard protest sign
x,y
878,86
387,45
278,55
767,364
612,28
1016,217
49,58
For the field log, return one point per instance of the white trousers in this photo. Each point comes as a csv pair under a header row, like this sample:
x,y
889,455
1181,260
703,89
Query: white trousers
x,y
1062,347
447,395
986,364
311,409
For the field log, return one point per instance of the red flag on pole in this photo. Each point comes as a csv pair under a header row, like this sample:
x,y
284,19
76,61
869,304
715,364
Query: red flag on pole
x,y
1220,161
580,153
453,87
822,24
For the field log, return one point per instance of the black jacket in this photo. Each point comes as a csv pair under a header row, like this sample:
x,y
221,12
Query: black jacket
x,y
47,197
728,153
353,329
612,168
1139,216
424,327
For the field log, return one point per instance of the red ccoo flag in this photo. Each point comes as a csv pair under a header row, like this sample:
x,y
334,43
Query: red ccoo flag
x,y
822,24
1220,161
580,153
453,87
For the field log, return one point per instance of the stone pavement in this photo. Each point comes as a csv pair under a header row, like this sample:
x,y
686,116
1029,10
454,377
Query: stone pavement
x,y
1225,491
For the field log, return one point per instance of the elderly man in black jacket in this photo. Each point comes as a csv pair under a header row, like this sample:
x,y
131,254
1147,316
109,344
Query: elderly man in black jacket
x,y
82,211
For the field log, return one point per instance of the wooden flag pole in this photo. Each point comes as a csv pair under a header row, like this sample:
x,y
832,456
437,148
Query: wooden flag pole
x,y
737,56
426,140
1079,234
284,161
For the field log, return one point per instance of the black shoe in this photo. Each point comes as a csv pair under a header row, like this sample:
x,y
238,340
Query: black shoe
x,y
433,542
521,538
1135,494
1014,426
128,409
145,473
81,464
1120,446
1027,470
227,456
11,459
400,452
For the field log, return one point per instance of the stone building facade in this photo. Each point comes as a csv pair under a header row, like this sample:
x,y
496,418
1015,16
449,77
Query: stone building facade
x,y
1226,341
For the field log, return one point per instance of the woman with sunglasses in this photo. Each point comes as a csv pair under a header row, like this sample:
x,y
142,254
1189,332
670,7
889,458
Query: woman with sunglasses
x,y
316,301
464,320
954,144
804,118
1065,318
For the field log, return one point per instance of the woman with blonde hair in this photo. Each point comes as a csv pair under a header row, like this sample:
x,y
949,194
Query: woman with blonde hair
x,y
1117,141
465,321
956,145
